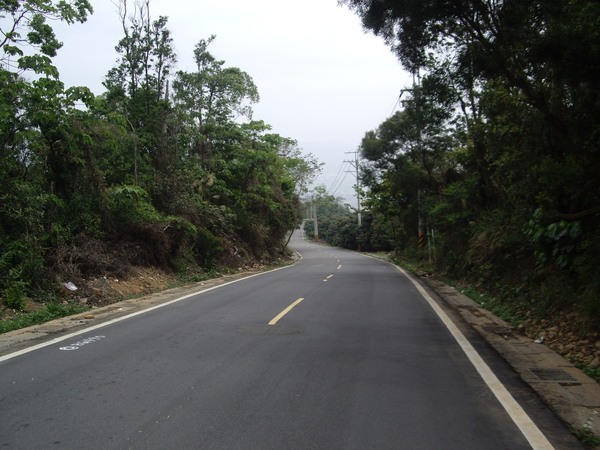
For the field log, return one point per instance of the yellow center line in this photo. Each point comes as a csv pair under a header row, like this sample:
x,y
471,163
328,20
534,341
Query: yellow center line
x,y
339,267
328,277
284,312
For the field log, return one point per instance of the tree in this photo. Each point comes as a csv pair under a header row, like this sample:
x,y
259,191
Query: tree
x,y
25,25
139,176
527,44
212,96
146,55
34,120
137,86
520,81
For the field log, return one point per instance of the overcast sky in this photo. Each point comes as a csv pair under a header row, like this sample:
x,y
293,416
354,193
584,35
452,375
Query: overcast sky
x,y
321,79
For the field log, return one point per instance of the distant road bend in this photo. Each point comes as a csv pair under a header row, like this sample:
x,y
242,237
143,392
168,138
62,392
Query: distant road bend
x,y
339,351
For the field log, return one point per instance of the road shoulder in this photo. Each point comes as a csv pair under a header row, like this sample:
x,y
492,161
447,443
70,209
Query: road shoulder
x,y
18,340
570,393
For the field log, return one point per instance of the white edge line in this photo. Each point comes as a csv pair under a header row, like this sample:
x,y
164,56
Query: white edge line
x,y
532,433
128,316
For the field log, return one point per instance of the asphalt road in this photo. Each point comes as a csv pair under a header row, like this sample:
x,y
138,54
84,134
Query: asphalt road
x,y
361,362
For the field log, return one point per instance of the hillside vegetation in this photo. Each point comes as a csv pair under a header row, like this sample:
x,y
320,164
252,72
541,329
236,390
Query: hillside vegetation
x,y
492,157
494,153
169,174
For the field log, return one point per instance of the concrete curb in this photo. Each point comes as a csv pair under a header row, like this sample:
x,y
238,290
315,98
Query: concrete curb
x,y
571,394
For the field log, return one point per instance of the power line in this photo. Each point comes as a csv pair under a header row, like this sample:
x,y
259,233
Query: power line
x,y
340,183
337,182
337,176
394,106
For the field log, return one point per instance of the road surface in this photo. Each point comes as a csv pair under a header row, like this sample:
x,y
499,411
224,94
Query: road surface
x,y
339,351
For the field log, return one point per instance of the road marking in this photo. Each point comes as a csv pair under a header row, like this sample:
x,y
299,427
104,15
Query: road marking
x,y
284,312
339,267
119,319
532,433
328,278
81,343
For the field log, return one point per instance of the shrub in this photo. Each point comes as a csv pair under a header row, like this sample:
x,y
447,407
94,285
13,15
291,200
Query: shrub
x,y
14,296
131,205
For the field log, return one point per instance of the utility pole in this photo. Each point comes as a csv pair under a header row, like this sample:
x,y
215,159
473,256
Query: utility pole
x,y
416,90
314,208
356,166
421,226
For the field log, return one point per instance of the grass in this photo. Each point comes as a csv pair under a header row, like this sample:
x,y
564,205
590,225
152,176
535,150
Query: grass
x,y
586,436
54,310
50,311
378,254
592,372
505,310
414,265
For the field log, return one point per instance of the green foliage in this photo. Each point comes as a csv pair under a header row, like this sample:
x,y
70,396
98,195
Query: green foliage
x,y
214,94
338,225
50,311
506,311
592,372
495,149
139,175
25,25
586,436
207,247
554,242
14,295
23,267
131,205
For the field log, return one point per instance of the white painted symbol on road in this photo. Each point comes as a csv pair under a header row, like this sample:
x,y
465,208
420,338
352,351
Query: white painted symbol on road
x,y
81,343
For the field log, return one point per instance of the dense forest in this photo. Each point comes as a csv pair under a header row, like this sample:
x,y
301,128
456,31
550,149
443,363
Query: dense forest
x,y
166,168
494,153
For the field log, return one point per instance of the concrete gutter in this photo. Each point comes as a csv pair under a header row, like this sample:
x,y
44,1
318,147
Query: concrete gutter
x,y
570,393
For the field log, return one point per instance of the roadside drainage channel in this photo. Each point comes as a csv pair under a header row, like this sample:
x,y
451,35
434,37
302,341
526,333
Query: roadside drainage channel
x,y
570,393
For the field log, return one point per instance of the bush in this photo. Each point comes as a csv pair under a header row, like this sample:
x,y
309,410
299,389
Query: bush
x,y
207,247
14,296
23,267
131,205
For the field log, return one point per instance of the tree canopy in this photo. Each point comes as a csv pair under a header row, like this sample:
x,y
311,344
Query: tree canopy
x,y
166,168
497,145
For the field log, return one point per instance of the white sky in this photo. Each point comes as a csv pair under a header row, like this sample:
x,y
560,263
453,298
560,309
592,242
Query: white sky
x,y
321,79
